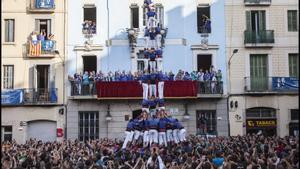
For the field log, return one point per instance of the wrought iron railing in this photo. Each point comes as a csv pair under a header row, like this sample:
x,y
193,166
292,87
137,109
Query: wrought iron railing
x,y
39,95
210,87
261,36
271,84
83,88
41,48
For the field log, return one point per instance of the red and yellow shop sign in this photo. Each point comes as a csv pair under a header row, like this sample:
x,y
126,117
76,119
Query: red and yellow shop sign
x,y
261,123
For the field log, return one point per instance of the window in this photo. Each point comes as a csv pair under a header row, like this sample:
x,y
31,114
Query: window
x,y
145,10
9,30
89,63
294,65
6,133
89,19
261,113
160,15
259,72
206,122
256,20
88,125
294,114
8,76
203,19
292,20
141,61
134,16
43,76
43,25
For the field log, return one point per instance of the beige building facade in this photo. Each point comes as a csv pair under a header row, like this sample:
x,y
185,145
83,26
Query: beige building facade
x,y
32,97
264,68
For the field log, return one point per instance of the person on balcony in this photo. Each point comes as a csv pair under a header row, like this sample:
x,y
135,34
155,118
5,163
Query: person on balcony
x,y
194,75
85,27
219,80
171,76
93,28
35,45
92,82
201,81
206,79
206,24
213,84
77,81
85,82
186,76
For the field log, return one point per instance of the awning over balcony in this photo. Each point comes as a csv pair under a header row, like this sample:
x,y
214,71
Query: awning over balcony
x,y
134,89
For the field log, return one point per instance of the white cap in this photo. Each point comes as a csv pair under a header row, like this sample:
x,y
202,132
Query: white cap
x,y
145,109
161,108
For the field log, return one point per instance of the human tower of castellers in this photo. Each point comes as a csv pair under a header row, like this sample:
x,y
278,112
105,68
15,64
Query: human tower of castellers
x,y
154,125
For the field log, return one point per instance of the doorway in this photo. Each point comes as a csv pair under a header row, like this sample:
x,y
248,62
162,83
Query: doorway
x,y
204,62
43,76
89,63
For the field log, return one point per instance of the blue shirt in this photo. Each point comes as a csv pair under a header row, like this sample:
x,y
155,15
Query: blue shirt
x,y
177,125
146,32
85,79
148,2
206,76
152,104
152,35
157,30
153,78
162,77
123,77
146,53
162,123
218,161
161,102
153,123
145,103
152,56
129,125
145,78
151,14
137,125
158,52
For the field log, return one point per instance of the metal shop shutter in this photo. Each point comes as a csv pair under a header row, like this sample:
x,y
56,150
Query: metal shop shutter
x,y
42,130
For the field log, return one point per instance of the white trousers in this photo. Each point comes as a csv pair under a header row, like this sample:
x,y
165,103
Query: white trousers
x,y
175,136
147,40
152,65
161,89
136,134
169,135
153,136
182,133
153,90
162,138
146,138
145,90
128,137
152,22
158,41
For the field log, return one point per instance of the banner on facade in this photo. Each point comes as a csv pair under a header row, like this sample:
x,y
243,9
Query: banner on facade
x,y
46,4
261,123
11,97
285,83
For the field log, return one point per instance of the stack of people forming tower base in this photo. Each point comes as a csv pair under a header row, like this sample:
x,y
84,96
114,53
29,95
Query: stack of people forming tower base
x,y
154,126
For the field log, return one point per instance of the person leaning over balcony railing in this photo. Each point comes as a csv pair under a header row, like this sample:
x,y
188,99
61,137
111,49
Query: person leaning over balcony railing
x,y
219,80
77,81
91,82
213,84
85,83
35,44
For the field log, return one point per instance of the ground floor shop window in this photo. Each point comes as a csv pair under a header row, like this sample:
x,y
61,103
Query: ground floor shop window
x,y
206,122
88,125
6,133
294,123
261,121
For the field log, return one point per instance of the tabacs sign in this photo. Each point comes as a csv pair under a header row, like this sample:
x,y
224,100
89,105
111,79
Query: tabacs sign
x,y
261,123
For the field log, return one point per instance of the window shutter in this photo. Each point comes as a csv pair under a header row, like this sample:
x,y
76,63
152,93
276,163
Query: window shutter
x,y
248,20
262,20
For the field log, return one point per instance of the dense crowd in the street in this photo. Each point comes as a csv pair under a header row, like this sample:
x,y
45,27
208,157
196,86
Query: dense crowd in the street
x,y
251,152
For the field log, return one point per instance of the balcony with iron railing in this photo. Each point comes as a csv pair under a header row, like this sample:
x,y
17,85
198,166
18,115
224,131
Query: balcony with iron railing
x,y
40,96
261,38
41,6
29,96
271,85
257,2
41,49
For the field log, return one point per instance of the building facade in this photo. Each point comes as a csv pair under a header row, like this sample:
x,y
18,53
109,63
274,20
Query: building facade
x,y
262,52
33,55
113,40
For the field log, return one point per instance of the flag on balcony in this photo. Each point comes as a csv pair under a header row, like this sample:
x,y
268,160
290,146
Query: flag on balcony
x,y
35,48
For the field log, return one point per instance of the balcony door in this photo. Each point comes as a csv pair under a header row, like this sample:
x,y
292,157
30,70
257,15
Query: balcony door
x,y
43,76
89,63
204,62
256,24
259,72
43,25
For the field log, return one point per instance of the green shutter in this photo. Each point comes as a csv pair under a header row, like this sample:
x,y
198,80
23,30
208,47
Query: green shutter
x,y
259,72
248,20
262,20
294,65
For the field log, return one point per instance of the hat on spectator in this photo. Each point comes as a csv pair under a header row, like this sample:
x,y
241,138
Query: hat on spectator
x,y
145,110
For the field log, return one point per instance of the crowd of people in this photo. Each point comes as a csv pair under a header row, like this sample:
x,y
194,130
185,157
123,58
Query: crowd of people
x,y
249,152
210,80
89,27
40,42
